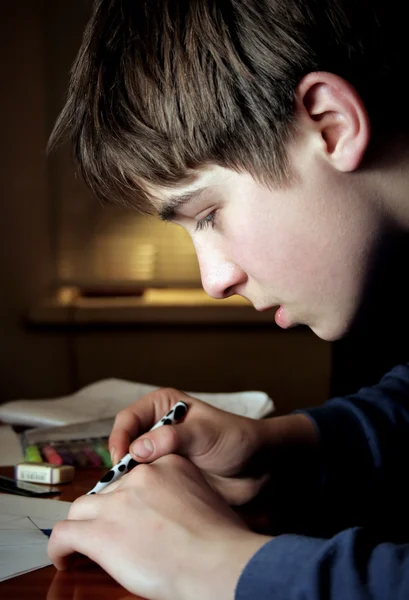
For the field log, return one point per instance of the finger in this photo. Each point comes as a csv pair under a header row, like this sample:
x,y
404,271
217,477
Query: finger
x,y
69,537
190,439
86,507
140,417
126,427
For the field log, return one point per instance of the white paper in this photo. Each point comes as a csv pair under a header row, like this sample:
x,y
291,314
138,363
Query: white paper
x,y
23,547
104,399
49,511
11,451
254,404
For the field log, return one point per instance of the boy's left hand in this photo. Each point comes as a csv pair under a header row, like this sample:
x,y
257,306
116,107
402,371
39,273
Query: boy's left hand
x,y
162,532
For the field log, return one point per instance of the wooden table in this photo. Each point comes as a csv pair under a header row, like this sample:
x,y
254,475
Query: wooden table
x,y
86,580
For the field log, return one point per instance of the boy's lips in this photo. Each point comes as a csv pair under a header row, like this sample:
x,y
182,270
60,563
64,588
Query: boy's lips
x,y
281,318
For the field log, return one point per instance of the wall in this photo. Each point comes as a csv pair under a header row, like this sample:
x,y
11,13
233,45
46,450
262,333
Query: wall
x,y
29,363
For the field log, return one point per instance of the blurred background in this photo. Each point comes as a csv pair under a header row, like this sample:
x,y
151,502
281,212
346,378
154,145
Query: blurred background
x,y
90,292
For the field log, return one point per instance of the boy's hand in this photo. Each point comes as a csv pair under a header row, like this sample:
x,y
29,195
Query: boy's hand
x,y
236,454
162,532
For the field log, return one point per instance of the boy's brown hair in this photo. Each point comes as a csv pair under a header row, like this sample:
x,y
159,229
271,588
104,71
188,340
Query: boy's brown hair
x,y
161,88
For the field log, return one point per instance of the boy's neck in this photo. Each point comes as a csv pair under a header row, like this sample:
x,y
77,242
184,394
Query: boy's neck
x,y
392,178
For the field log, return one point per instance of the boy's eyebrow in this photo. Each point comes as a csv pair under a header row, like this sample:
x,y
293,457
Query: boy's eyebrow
x,y
167,212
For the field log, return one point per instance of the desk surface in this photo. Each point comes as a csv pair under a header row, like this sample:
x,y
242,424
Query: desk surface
x,y
86,580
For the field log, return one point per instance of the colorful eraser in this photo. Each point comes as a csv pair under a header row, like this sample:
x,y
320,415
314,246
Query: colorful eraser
x,y
44,472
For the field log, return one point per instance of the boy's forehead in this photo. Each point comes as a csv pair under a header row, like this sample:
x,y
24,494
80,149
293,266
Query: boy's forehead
x,y
199,181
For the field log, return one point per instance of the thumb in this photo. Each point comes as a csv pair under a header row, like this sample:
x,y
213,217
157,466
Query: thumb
x,y
169,439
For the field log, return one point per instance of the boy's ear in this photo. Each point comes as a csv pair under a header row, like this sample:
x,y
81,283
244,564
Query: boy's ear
x,y
332,110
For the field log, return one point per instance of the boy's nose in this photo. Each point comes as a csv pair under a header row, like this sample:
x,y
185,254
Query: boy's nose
x,y
221,278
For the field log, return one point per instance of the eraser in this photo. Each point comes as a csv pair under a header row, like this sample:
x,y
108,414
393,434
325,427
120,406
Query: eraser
x,y
44,472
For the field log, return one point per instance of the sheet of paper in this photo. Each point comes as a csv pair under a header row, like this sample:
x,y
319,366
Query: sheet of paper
x,y
48,511
105,398
23,546
11,451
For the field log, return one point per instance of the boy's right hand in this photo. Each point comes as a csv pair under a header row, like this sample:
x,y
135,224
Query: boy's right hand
x,y
235,453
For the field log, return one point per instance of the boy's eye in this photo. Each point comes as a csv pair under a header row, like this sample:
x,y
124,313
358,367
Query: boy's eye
x,y
206,221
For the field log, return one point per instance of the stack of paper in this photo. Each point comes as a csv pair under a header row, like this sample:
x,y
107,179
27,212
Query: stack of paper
x,y
104,399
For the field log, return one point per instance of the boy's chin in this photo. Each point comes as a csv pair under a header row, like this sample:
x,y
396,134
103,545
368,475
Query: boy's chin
x,y
330,332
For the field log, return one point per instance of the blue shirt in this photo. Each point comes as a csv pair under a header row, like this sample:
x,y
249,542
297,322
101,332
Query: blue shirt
x,y
363,483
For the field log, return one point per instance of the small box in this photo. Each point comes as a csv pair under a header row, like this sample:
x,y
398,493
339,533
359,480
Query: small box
x,y
44,473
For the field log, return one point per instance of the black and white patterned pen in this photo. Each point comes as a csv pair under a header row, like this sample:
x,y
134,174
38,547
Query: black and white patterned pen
x,y
127,463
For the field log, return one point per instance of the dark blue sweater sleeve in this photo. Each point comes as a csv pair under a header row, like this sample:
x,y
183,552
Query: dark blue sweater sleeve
x,y
364,451
363,458
353,565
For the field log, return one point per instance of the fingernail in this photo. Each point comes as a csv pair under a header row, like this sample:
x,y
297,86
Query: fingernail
x,y
112,452
142,448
